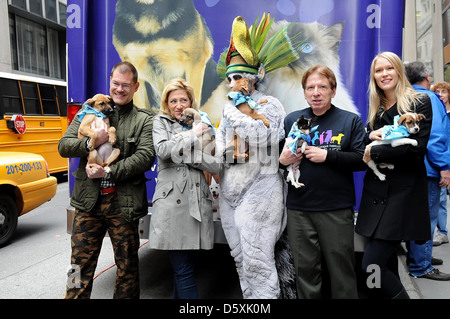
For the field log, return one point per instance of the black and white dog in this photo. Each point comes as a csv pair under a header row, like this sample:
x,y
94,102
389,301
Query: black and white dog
x,y
298,137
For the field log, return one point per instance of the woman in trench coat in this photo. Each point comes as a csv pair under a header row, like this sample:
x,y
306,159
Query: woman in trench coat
x,y
395,209
181,220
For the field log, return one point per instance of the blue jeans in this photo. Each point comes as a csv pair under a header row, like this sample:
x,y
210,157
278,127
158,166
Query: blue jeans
x,y
442,219
420,255
183,264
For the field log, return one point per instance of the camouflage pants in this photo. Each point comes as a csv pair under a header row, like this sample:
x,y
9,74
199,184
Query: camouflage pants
x,y
89,229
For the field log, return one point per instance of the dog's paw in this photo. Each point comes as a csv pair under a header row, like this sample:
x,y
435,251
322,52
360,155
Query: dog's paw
x,y
262,101
382,177
94,170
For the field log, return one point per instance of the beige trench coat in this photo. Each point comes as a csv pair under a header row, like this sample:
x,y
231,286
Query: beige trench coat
x,y
182,202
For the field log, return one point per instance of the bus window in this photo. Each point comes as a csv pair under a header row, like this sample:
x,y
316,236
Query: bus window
x,y
31,98
48,97
62,100
42,104
11,102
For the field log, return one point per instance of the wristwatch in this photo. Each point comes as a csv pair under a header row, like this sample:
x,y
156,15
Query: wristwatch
x,y
87,144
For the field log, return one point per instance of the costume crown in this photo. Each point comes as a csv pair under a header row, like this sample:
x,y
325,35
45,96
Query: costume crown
x,y
249,51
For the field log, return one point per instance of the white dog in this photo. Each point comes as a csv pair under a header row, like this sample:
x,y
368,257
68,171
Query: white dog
x,y
215,190
409,123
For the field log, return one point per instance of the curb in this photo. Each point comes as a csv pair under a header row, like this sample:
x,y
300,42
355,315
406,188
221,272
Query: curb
x,y
410,286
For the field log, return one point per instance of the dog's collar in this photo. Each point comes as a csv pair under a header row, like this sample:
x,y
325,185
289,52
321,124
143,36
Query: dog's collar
x,y
89,110
239,98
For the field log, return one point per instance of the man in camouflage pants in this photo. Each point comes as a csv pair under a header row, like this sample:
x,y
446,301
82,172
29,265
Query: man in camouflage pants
x,y
114,198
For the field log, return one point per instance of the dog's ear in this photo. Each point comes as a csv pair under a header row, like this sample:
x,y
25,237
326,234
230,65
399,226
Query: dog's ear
x,y
111,101
90,102
402,120
420,117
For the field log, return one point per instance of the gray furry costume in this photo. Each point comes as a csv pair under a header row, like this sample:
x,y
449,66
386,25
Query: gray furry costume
x,y
252,202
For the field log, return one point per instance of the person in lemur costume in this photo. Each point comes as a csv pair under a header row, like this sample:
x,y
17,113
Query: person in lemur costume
x,y
253,190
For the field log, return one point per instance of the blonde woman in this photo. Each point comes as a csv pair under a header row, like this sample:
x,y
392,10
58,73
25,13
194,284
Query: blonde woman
x,y
182,203
395,209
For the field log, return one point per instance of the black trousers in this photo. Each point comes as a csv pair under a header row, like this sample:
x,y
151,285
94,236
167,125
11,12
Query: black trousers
x,y
382,254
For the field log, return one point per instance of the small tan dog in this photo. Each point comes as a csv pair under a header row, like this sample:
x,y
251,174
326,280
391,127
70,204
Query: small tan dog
x,y
411,122
241,85
207,140
93,118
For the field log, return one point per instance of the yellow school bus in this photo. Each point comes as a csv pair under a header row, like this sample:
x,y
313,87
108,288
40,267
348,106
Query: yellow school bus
x,y
33,117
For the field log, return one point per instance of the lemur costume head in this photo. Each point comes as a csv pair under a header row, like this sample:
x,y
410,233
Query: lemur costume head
x,y
250,55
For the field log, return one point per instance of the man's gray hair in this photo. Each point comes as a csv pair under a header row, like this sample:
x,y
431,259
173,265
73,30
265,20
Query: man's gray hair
x,y
416,72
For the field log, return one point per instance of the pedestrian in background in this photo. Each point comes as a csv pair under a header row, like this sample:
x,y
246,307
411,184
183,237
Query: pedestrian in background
x,y
395,209
441,234
437,161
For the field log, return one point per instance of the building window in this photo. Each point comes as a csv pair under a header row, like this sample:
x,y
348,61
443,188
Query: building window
x,y
50,10
424,15
20,4
62,13
36,48
36,7
446,35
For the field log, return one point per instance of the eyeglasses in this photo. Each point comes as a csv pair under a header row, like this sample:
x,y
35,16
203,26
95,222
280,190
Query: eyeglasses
x,y
125,86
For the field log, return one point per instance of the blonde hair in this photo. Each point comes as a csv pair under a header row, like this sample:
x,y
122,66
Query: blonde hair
x,y
173,85
406,96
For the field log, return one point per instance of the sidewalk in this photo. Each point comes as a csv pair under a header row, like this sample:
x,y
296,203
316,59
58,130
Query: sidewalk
x,y
421,288
427,288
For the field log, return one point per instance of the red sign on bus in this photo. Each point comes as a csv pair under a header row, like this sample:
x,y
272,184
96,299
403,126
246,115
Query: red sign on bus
x,y
20,125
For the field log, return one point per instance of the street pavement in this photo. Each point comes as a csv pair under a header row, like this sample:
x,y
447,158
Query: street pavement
x,y
37,273
422,288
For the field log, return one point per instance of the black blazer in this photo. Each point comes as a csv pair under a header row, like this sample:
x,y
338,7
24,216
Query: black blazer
x,y
397,209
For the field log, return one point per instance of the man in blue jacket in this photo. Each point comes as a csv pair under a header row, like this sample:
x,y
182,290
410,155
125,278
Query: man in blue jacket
x,y
437,162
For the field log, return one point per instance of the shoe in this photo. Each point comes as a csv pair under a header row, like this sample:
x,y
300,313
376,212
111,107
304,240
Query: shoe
x,y
436,261
439,239
435,274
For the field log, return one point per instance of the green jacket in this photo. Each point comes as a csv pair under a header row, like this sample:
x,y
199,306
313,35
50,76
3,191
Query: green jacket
x,y
137,155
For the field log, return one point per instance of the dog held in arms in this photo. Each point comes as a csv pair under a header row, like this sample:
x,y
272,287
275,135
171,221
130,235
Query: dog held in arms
x,y
298,137
410,123
190,117
239,93
93,118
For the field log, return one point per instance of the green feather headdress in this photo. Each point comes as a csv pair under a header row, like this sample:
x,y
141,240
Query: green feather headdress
x,y
273,53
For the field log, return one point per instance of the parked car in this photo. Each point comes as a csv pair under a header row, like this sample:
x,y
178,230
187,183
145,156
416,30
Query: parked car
x,y
25,184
